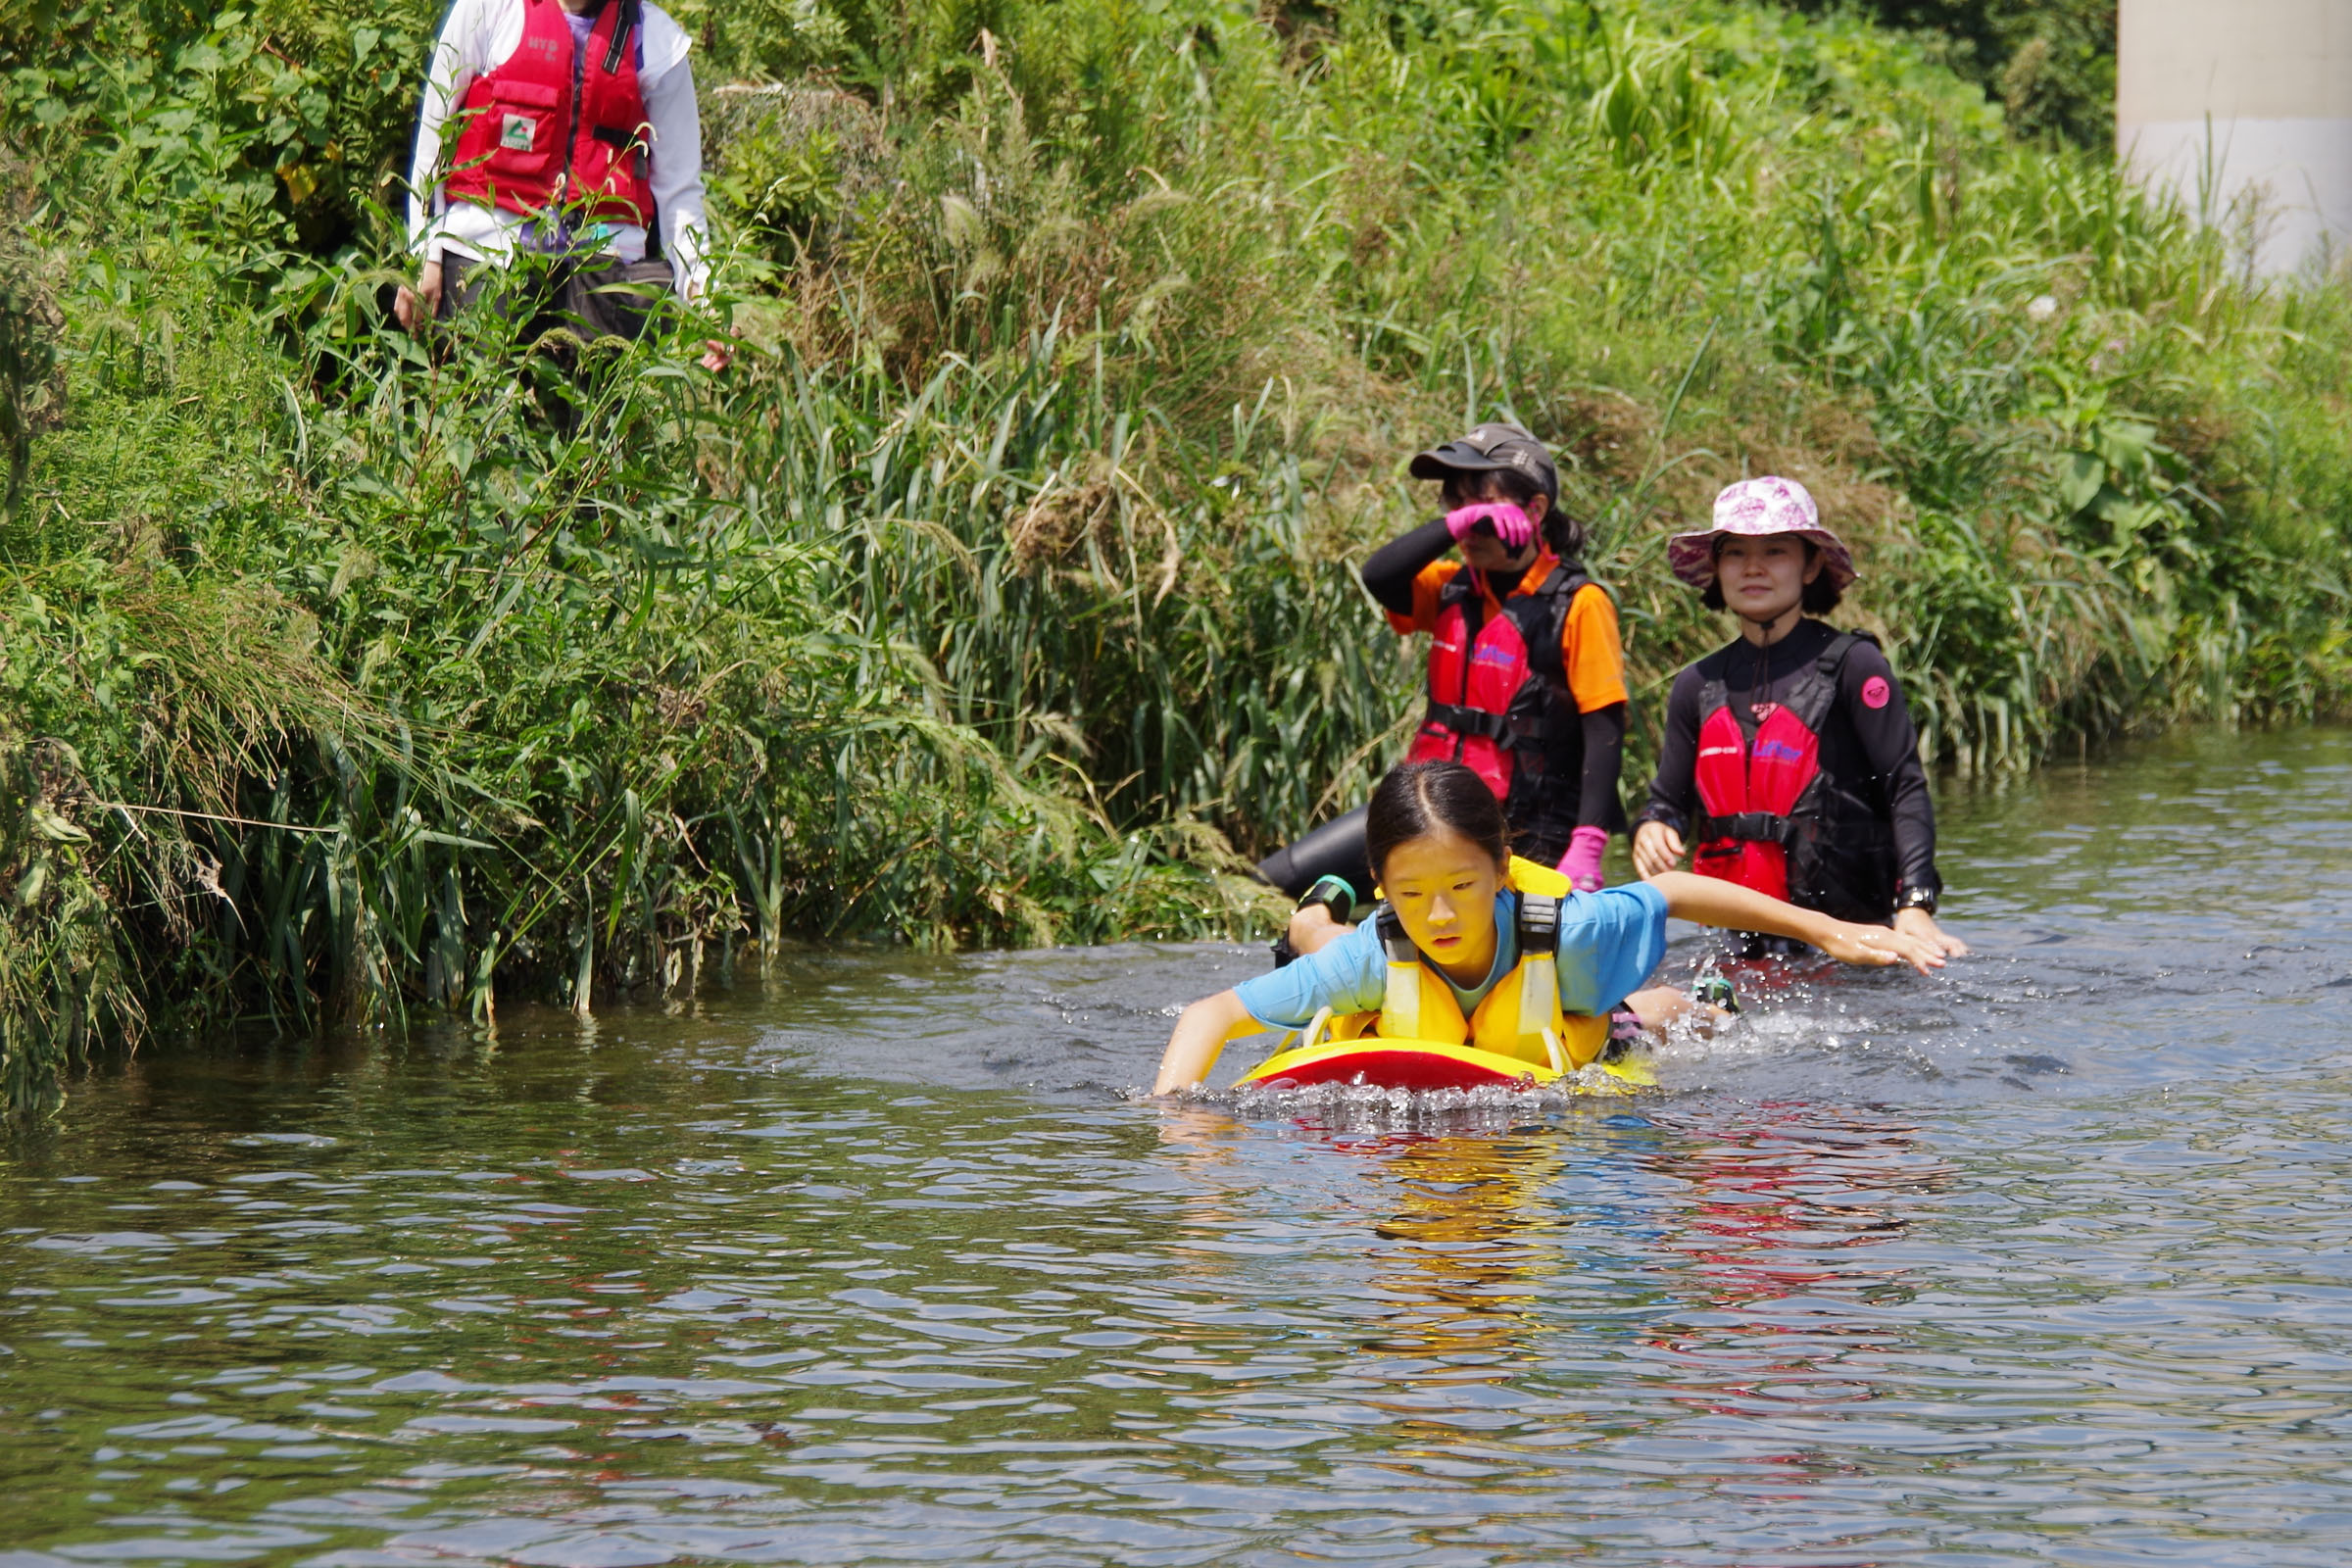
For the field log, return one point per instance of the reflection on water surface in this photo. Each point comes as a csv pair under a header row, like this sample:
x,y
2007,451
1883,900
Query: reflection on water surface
x,y
2043,1260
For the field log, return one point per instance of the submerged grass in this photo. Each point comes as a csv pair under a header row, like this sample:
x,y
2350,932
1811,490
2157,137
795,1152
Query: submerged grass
x,y
1004,590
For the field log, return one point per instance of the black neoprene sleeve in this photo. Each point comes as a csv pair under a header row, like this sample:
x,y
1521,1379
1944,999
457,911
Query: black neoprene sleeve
x,y
1389,570
1597,805
1890,740
1676,784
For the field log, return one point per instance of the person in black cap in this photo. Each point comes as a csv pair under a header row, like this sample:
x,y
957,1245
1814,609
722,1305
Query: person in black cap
x,y
1526,674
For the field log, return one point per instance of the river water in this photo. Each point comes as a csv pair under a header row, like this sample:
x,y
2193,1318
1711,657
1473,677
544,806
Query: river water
x,y
2045,1259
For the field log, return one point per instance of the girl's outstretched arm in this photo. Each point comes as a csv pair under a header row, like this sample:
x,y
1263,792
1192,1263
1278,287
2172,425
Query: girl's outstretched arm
x,y
1198,1036
1711,901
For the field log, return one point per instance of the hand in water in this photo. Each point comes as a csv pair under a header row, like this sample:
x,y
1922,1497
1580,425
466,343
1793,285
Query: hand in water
x,y
1875,945
1920,924
1656,848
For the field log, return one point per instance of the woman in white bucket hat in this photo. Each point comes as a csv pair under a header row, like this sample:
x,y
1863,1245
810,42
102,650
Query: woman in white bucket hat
x,y
1790,765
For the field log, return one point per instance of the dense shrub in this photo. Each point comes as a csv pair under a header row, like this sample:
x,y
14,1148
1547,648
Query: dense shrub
x,y
2050,63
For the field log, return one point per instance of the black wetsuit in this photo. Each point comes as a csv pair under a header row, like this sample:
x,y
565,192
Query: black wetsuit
x,y
1873,750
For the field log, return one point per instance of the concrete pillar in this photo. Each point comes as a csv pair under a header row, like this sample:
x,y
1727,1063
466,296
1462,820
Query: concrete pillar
x,y
2235,100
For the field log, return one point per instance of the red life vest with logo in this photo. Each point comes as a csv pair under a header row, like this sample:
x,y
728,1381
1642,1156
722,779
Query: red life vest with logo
x,y
1498,702
1772,819
530,142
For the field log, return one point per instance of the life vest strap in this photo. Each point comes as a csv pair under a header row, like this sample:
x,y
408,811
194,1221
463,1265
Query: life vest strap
x,y
620,35
1832,658
1471,722
1539,924
1565,577
1754,827
1393,942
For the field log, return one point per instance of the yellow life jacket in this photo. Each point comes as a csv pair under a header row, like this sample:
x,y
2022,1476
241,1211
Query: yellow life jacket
x,y
1521,1017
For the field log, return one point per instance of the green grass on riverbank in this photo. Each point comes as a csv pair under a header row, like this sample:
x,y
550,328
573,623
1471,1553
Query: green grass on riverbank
x,y
1003,592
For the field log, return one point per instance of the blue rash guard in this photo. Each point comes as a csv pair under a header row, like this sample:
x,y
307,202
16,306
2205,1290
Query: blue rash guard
x,y
1609,943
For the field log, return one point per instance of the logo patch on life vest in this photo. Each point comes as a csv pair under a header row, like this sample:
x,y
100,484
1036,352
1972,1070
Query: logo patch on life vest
x,y
1495,656
516,133
1778,752
1876,692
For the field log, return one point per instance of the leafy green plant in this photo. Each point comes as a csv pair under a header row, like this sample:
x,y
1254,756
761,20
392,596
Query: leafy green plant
x,y
2051,63
31,381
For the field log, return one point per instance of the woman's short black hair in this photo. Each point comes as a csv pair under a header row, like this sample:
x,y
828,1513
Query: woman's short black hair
x,y
1417,799
1822,594
1563,533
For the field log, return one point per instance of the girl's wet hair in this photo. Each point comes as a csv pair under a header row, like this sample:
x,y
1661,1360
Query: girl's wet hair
x,y
1561,532
1822,594
1418,798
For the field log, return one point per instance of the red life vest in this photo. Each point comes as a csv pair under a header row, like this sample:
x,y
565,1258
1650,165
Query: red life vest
x,y
1498,702
1772,819
529,143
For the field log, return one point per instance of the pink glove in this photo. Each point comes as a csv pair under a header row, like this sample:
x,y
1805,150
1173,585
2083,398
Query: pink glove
x,y
1581,866
1512,524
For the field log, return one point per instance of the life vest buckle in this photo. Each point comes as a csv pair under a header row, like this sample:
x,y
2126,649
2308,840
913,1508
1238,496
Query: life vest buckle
x,y
1755,827
1469,722
1539,923
1397,947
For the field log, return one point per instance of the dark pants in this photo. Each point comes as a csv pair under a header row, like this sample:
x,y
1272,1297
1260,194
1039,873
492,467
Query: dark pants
x,y
560,310
1336,848
588,300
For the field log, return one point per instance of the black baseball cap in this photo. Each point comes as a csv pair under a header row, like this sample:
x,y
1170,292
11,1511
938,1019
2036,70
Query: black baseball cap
x,y
1491,449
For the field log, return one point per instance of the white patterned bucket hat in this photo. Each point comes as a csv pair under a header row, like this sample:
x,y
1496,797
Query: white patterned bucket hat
x,y
1753,508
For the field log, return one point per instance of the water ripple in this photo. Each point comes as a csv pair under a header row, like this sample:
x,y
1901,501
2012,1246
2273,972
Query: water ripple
x,y
2043,1260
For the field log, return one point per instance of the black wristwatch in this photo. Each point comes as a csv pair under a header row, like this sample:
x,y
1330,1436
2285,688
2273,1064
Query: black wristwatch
x,y
1916,899
1335,893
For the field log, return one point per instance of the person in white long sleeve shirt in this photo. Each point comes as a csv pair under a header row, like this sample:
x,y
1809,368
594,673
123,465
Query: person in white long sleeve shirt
x,y
512,157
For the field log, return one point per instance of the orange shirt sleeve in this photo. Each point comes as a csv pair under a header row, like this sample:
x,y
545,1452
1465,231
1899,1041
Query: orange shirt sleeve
x,y
1428,584
1589,651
